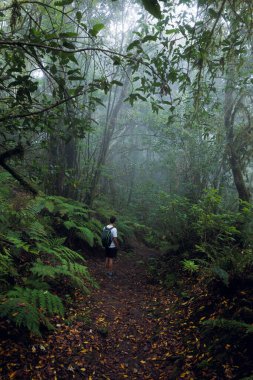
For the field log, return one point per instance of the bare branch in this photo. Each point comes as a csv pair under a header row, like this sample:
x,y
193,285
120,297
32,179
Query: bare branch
x,y
34,113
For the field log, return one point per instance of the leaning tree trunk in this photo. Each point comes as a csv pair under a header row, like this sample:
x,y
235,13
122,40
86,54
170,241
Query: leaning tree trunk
x,y
110,127
16,152
230,109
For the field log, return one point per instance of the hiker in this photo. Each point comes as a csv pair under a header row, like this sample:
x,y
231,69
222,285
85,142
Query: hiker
x,y
111,244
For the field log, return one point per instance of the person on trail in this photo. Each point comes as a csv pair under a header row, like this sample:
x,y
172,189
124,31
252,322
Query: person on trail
x,y
112,249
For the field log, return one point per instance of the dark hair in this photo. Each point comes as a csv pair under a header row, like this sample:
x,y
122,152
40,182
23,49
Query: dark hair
x,y
112,219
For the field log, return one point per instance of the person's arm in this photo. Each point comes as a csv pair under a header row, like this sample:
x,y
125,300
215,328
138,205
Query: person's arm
x,y
115,237
116,242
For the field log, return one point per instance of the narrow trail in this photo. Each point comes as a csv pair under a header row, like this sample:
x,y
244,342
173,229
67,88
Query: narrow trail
x,y
122,330
127,313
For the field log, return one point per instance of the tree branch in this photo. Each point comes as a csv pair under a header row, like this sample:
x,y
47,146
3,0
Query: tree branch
x,y
54,48
21,116
18,151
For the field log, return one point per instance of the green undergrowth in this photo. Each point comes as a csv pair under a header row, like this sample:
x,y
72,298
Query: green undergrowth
x,y
44,243
212,274
39,263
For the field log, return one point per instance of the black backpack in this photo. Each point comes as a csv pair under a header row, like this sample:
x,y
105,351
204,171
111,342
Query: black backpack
x,y
106,237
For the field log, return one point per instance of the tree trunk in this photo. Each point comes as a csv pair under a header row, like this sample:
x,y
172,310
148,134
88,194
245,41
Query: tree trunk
x,y
107,136
18,151
229,116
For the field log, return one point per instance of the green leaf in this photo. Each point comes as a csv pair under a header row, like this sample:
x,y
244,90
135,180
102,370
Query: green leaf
x,y
133,44
96,29
69,45
117,83
153,7
72,58
171,31
68,35
63,2
75,78
116,60
78,16
149,38
212,13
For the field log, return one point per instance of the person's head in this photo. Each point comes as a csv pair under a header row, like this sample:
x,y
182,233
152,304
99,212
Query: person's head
x,y
112,219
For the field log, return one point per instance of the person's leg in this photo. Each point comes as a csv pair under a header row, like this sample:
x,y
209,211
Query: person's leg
x,y
110,264
107,259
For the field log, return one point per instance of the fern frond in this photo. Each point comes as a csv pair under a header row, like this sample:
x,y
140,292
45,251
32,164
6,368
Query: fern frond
x,y
55,242
21,313
35,206
37,231
221,274
229,325
34,283
83,233
78,274
63,253
95,225
87,235
30,307
14,240
49,302
70,208
6,264
70,224
59,252
42,271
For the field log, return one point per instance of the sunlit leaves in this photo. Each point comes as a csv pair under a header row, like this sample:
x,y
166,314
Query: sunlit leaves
x,y
96,29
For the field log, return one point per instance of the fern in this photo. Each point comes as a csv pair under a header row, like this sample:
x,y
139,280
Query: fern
x,y
76,213
6,263
76,273
37,231
67,207
66,254
14,240
95,225
87,235
35,283
31,230
30,307
221,274
229,325
59,252
82,232
44,271
70,224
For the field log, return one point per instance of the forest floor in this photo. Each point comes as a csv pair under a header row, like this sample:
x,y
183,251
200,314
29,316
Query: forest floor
x,y
127,328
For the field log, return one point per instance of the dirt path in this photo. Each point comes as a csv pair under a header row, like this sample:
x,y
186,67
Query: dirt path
x,y
122,330
127,312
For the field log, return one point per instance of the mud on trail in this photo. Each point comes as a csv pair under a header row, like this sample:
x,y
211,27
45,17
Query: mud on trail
x,y
124,329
